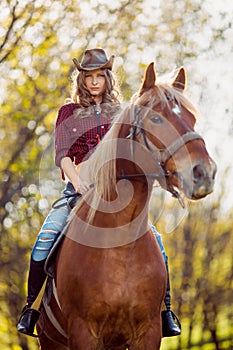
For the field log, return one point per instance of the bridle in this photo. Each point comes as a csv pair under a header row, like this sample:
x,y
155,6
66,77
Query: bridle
x,y
159,156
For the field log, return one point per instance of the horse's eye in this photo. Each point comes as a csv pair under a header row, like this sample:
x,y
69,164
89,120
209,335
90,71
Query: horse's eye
x,y
169,97
156,119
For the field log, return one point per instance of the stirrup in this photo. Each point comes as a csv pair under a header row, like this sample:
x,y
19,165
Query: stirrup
x,y
27,321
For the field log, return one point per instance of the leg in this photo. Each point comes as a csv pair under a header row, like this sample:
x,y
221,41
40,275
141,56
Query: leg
x,y
48,234
48,344
170,328
80,337
152,339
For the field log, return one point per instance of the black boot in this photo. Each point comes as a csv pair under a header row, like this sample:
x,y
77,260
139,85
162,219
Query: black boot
x,y
169,327
29,317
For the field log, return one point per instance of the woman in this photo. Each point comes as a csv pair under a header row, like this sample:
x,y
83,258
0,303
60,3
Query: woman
x,y
80,126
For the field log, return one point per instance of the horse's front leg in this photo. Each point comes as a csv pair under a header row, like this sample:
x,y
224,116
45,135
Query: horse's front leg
x,y
152,339
47,344
80,337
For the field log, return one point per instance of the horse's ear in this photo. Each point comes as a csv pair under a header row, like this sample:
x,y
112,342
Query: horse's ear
x,y
180,80
149,78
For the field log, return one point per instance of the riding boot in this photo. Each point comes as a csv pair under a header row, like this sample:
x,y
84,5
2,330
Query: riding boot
x,y
29,317
169,327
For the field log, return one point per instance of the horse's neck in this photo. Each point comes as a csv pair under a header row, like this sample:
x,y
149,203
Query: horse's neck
x,y
133,161
133,189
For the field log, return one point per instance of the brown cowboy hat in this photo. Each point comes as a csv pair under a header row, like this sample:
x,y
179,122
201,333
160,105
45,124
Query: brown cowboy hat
x,y
94,59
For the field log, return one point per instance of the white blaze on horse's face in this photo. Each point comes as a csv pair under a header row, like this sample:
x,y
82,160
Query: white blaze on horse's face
x,y
176,109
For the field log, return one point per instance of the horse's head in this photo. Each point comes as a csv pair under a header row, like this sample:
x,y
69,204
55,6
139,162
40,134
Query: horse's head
x,y
165,121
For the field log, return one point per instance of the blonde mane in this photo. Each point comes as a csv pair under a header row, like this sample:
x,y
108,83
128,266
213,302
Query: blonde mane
x,y
162,93
101,168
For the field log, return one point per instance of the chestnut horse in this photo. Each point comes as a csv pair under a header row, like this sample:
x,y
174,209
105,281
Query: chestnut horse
x,y
110,277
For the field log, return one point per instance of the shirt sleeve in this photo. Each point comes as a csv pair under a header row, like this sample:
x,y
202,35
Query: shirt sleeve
x,y
63,140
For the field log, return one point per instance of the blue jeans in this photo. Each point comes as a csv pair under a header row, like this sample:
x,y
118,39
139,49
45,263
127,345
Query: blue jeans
x,y
52,227
159,240
55,222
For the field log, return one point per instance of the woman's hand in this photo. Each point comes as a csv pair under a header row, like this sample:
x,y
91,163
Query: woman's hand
x,y
81,186
78,175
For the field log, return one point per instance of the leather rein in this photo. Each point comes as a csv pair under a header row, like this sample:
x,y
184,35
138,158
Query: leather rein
x,y
159,157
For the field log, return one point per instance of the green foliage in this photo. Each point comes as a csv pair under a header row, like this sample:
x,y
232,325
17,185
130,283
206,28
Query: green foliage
x,y
201,270
38,40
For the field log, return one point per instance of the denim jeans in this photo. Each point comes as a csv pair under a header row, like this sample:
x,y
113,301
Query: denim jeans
x,y
55,222
159,240
52,227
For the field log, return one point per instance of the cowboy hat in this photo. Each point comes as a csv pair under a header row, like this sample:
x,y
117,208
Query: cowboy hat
x,y
94,59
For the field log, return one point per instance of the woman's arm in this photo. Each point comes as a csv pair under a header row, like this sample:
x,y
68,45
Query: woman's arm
x,y
74,175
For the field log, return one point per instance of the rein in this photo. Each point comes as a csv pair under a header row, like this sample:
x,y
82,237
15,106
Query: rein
x,y
159,156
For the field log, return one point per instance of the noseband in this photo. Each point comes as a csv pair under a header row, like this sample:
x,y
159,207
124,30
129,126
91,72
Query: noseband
x,y
159,156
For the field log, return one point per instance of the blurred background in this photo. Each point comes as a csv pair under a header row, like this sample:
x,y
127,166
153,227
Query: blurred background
x,y
38,39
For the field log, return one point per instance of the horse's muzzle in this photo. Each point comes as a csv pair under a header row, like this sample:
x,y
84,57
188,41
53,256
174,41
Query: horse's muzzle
x,y
202,180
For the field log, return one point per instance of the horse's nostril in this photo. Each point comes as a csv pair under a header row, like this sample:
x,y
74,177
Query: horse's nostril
x,y
198,173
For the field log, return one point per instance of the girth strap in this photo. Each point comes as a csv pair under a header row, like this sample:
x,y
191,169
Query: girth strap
x,y
50,313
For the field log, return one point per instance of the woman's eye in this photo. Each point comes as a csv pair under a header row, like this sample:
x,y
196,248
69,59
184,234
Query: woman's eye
x,y
156,119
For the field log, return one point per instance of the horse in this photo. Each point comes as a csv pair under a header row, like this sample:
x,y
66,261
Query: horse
x,y
110,276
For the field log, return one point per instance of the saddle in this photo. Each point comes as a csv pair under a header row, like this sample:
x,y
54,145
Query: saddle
x,y
50,288
50,261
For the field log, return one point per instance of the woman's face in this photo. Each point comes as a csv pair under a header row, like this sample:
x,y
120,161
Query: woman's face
x,y
95,82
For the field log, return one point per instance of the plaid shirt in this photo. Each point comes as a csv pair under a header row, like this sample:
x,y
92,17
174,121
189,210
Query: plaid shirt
x,y
77,137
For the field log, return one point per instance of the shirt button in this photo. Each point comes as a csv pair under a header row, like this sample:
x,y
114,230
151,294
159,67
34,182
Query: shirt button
x,y
74,129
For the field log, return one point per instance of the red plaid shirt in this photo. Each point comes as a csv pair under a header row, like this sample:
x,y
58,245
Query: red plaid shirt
x,y
77,137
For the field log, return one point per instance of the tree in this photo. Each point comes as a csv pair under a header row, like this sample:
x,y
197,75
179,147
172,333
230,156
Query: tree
x,y
200,256
38,40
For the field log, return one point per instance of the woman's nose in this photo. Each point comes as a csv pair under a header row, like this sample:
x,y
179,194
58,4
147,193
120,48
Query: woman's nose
x,y
94,81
